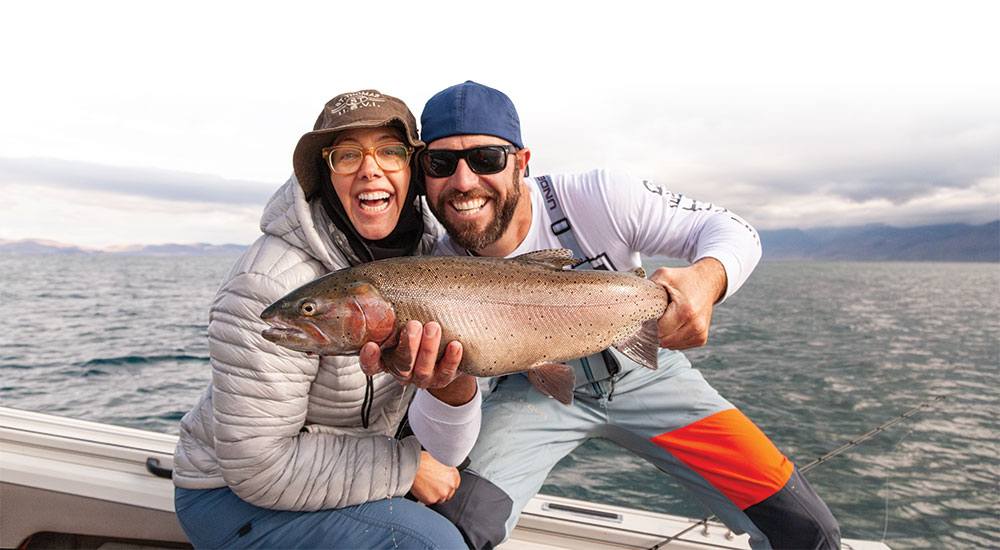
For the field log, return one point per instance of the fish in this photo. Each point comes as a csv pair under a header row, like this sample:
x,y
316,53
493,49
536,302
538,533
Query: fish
x,y
522,314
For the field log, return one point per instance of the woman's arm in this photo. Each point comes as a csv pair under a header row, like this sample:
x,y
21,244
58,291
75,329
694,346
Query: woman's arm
x,y
260,399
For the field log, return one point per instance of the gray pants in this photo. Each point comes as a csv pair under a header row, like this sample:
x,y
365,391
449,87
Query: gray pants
x,y
673,419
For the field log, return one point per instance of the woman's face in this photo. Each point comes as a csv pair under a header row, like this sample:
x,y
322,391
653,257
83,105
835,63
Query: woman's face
x,y
372,197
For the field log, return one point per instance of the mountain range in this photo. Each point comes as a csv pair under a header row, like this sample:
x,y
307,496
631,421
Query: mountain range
x,y
942,243
876,242
39,247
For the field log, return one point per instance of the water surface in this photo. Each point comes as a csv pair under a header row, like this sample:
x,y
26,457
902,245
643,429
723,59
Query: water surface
x,y
815,353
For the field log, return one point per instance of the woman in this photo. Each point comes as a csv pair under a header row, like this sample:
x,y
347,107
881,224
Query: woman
x,y
287,450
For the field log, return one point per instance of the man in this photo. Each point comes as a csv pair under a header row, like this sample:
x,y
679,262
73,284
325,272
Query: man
x,y
475,166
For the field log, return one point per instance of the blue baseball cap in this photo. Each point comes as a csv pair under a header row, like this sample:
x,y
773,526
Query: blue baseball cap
x,y
470,108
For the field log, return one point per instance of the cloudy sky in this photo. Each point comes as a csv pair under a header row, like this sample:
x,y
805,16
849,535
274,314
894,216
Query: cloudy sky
x,y
142,122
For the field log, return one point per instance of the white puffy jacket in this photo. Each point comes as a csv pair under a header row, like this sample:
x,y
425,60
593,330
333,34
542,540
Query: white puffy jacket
x,y
280,428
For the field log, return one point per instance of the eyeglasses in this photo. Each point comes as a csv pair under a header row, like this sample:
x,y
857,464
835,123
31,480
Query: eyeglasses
x,y
486,159
347,159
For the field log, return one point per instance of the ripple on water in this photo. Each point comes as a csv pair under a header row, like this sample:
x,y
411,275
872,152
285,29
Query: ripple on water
x,y
94,372
142,359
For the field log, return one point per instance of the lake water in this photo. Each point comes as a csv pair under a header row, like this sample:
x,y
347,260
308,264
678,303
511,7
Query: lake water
x,y
816,353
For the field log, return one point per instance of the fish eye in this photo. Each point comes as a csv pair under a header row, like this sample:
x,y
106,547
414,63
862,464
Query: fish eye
x,y
308,307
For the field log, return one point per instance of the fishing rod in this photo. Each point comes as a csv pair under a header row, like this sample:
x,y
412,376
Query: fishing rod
x,y
871,434
850,444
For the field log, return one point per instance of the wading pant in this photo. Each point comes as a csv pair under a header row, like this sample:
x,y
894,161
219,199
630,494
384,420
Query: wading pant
x,y
217,518
673,419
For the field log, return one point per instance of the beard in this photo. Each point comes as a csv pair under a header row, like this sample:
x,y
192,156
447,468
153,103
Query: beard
x,y
467,235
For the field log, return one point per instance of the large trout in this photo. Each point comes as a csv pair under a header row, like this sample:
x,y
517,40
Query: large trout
x,y
511,315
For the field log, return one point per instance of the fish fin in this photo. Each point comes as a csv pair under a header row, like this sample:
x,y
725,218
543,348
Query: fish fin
x,y
557,258
394,364
643,345
638,271
396,355
554,380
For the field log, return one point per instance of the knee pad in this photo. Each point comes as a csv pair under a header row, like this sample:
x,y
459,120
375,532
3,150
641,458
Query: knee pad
x,y
479,509
795,517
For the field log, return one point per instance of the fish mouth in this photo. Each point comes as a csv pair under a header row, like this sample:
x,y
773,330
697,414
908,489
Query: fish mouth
x,y
305,334
283,334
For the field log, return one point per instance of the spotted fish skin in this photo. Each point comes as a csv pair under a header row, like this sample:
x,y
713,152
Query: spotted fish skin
x,y
510,315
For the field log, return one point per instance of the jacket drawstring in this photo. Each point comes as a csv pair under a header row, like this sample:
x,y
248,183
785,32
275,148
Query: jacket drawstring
x,y
366,405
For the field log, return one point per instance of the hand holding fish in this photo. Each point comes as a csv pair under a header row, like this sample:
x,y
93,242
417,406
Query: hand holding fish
x,y
694,290
415,360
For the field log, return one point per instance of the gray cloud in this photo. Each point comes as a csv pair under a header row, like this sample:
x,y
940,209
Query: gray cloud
x,y
898,165
898,180
142,182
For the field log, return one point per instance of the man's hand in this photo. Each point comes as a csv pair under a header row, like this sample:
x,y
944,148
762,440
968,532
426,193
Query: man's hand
x,y
693,292
414,360
434,482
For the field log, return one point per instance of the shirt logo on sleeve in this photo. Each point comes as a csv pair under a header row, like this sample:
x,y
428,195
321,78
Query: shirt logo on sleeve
x,y
680,201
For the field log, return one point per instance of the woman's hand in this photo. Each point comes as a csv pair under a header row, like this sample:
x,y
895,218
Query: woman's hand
x,y
434,482
414,360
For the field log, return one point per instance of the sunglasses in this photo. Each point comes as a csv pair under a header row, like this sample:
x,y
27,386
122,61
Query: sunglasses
x,y
486,159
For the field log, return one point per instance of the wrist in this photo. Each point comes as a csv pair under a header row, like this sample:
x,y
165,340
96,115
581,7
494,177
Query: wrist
x,y
713,272
458,392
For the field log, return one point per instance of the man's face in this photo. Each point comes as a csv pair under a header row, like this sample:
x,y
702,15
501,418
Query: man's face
x,y
475,209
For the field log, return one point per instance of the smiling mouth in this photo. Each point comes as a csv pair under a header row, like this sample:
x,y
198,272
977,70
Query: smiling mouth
x,y
374,201
469,207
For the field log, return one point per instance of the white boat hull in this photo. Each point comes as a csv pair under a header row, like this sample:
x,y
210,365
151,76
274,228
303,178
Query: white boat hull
x,y
89,482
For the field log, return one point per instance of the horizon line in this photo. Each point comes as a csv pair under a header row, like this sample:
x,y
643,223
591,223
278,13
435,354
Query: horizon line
x,y
122,247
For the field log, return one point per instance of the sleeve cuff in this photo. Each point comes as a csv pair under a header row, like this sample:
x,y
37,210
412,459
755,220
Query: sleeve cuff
x,y
441,412
447,432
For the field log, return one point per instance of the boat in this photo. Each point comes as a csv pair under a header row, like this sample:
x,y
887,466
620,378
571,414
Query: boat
x,y
72,483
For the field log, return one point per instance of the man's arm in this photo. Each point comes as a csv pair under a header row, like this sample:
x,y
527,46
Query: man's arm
x,y
723,250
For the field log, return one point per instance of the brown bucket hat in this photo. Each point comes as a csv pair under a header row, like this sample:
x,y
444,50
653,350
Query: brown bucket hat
x,y
362,109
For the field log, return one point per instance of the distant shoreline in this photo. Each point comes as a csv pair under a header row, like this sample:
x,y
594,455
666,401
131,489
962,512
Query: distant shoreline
x,y
866,243
38,247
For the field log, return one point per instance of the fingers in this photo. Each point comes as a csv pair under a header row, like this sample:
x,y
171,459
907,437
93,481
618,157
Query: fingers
x,y
434,482
453,480
370,357
680,329
456,481
448,366
432,369
673,318
424,372
685,323
415,358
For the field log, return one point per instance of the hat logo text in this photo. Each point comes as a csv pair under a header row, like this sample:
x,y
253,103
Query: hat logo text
x,y
355,101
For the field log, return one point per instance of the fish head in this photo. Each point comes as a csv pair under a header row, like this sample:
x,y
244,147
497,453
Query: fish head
x,y
330,319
